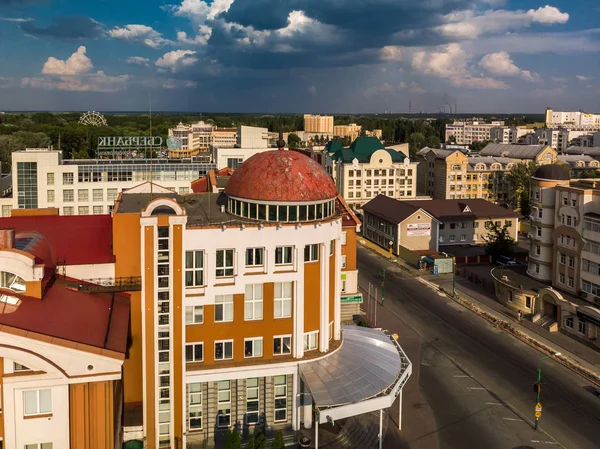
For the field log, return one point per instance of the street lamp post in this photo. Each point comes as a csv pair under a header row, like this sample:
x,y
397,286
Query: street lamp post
x,y
391,243
538,386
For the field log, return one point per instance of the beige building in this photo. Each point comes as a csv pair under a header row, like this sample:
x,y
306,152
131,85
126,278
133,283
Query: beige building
x,y
451,174
564,256
198,137
449,222
321,124
351,131
367,169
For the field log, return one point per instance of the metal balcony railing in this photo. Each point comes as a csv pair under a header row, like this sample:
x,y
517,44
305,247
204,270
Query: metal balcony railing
x,y
109,285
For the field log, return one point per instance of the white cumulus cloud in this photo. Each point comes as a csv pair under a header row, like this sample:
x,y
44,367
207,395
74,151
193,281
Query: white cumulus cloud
x,y
204,33
142,34
501,64
179,84
177,59
582,78
77,63
548,15
137,60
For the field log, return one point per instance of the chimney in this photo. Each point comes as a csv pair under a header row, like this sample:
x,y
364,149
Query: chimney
x,y
7,238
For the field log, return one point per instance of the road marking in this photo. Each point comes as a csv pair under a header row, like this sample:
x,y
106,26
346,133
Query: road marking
x,y
513,419
545,442
493,403
461,376
475,388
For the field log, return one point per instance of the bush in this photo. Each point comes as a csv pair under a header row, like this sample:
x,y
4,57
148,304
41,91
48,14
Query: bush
x,y
362,323
260,442
236,440
278,441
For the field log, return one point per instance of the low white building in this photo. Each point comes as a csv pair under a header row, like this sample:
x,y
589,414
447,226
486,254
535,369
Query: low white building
x,y
367,169
251,137
42,179
233,157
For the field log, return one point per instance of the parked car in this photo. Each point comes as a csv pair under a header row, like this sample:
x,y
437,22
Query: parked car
x,y
505,260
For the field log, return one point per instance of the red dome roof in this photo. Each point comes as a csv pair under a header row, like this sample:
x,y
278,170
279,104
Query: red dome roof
x,y
281,175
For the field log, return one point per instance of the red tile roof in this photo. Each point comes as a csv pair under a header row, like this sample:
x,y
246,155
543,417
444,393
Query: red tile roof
x,y
281,175
88,318
77,240
200,185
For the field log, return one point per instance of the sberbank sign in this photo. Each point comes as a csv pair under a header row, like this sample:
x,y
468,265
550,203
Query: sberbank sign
x,y
142,141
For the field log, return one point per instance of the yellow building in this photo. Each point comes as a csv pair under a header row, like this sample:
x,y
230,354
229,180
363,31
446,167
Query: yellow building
x,y
451,174
320,124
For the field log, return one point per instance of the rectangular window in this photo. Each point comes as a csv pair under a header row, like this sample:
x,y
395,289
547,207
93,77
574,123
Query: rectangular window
x,y
224,263
538,249
571,262
283,255
68,179
223,308
344,238
311,253
37,402
282,345
224,404
68,210
561,278
98,194
111,194
252,400
194,314
50,179
563,258
253,347
452,238
581,327
254,257
194,352
224,350
37,445
253,302
83,195
68,196
463,238
528,302
283,300
194,268
311,340
50,196
98,210
280,398
83,210
195,406
569,322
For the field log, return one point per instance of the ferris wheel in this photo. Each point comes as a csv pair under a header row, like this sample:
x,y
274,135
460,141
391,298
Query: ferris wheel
x,y
93,118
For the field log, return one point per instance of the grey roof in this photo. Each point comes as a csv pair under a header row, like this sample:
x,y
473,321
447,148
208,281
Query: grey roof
x,y
553,171
488,160
440,154
391,210
592,151
513,151
345,378
572,158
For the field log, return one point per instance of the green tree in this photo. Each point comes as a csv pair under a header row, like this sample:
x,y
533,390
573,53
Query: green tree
x,y
416,141
278,441
525,204
8,144
260,441
32,140
498,240
294,140
228,440
519,179
451,139
433,141
236,440
478,145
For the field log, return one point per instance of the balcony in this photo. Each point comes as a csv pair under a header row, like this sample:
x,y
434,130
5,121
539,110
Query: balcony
x,y
108,285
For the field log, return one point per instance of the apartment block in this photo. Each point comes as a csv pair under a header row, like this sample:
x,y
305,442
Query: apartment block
x,y
367,169
573,118
465,133
319,124
43,179
452,174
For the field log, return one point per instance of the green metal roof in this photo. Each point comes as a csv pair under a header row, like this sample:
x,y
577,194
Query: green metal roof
x,y
362,149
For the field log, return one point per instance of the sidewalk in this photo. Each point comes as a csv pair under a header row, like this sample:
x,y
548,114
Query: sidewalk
x,y
580,353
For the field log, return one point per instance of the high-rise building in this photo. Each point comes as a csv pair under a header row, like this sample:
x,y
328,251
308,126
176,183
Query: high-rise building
x,y
465,133
351,131
319,124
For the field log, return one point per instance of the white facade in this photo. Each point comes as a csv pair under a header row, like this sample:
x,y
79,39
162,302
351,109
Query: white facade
x,y
83,187
233,157
466,133
360,182
252,137
574,118
507,134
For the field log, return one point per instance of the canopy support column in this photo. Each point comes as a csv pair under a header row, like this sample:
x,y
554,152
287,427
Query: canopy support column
x,y
380,428
317,433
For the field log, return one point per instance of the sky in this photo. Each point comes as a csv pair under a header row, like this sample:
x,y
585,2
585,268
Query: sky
x,y
288,56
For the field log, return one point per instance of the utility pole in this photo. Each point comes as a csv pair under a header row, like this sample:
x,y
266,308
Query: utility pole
x,y
453,276
391,243
538,388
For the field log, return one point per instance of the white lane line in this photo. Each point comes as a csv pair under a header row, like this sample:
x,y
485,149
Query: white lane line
x,y
545,442
475,388
462,375
493,403
513,419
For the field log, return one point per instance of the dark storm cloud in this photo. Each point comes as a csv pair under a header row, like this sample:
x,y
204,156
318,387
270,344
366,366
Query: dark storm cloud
x,y
66,28
347,32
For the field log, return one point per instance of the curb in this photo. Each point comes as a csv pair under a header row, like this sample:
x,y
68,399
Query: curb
x,y
508,327
367,245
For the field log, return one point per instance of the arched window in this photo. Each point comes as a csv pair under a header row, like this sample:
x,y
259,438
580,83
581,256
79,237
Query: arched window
x,y
496,166
164,210
12,282
480,167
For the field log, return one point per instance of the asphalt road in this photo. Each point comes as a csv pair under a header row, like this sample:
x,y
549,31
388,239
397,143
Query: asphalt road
x,y
478,380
